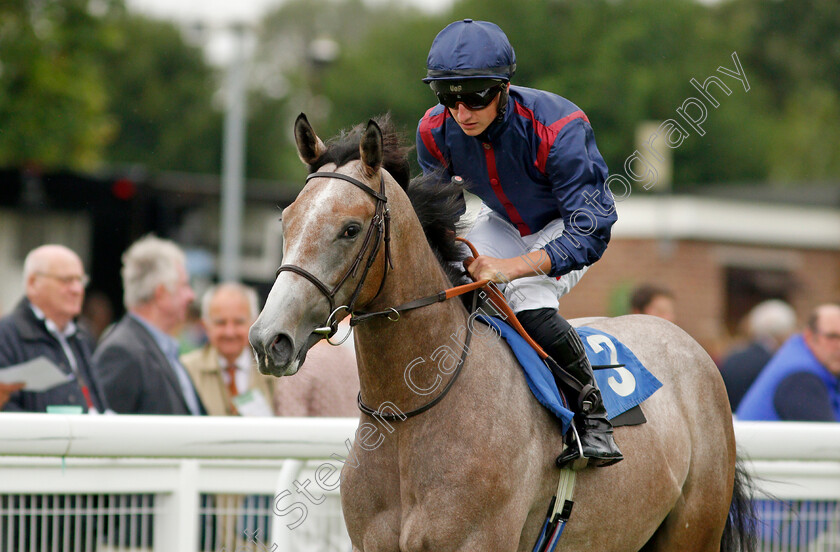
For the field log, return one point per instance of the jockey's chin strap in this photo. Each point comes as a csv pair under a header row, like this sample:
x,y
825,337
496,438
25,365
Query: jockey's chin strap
x,y
381,223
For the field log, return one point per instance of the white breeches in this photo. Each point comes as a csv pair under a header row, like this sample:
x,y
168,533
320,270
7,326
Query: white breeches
x,y
495,237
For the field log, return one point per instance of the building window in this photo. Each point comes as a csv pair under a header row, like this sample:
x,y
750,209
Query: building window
x,y
746,287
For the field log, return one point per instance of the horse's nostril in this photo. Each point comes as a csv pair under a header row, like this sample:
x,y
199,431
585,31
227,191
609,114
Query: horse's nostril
x,y
281,350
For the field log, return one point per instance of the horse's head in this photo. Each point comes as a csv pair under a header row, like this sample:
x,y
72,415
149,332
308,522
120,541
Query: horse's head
x,y
334,250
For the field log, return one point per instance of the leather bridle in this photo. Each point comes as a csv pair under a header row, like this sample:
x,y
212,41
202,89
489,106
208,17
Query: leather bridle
x,y
381,225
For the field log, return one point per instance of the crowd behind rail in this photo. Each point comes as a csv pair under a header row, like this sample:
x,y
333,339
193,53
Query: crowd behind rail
x,y
157,359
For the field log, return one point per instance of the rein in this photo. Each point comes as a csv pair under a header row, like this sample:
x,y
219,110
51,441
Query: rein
x,y
381,222
411,413
499,303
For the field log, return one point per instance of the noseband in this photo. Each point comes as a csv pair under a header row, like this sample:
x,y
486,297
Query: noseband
x,y
381,223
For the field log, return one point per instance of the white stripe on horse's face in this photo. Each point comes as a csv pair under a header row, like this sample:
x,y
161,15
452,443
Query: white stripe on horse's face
x,y
311,221
296,306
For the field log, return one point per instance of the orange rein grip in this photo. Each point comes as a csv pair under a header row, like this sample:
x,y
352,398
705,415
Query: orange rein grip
x,y
497,299
473,250
500,303
466,288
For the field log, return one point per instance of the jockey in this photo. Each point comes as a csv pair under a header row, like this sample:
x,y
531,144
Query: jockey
x,y
546,212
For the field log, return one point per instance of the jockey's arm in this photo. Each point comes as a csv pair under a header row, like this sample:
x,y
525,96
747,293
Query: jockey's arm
x,y
535,263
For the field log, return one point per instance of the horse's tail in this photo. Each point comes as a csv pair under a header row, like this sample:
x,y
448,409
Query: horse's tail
x,y
740,533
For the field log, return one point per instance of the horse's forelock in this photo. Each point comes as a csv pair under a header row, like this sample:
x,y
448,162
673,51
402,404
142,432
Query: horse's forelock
x,y
344,148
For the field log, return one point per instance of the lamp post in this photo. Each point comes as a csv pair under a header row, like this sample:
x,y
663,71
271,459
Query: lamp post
x,y
233,160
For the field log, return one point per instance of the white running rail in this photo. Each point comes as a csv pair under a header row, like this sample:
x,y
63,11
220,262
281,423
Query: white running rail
x,y
293,463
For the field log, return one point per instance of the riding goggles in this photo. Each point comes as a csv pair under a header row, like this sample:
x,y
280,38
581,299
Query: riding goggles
x,y
472,100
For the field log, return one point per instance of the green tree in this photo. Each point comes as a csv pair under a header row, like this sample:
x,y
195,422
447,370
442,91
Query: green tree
x,y
53,99
160,97
793,48
306,61
84,82
622,62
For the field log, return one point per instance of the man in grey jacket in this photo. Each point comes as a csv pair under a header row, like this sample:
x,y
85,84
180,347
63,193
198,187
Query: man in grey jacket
x,y
137,361
43,325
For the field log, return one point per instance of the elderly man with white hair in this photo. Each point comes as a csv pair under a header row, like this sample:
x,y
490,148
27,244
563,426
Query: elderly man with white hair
x,y
769,324
224,371
43,325
137,360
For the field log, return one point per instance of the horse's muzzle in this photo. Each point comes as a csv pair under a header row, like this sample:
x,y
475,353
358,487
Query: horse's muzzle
x,y
275,354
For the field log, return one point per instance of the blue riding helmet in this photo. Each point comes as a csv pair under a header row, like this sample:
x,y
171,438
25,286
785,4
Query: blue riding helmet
x,y
468,49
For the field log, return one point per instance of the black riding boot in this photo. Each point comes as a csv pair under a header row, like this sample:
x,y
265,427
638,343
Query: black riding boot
x,y
562,343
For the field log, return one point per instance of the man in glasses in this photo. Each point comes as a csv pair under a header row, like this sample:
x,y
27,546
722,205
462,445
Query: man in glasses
x,y
802,380
531,157
43,324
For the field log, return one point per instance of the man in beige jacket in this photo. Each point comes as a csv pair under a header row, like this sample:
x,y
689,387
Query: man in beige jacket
x,y
223,371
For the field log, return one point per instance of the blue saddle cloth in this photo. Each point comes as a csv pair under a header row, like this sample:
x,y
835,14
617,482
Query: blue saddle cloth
x,y
621,388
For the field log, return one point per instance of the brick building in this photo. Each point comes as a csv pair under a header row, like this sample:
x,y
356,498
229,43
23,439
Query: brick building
x,y
720,257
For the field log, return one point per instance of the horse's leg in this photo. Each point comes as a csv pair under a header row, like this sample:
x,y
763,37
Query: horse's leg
x,y
688,528
370,498
496,531
692,420
697,520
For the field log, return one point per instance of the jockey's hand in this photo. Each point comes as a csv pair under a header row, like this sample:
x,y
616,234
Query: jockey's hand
x,y
502,271
493,269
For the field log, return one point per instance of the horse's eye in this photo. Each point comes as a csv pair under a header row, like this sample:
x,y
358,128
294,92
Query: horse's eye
x,y
351,231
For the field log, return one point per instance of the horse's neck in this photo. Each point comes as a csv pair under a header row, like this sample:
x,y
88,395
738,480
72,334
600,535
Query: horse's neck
x,y
387,350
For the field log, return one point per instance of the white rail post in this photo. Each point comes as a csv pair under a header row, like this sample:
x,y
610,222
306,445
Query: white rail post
x,y
176,514
281,535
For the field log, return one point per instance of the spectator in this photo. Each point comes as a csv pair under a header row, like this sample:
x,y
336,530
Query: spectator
x,y
225,367
769,324
138,358
801,381
653,300
43,325
326,385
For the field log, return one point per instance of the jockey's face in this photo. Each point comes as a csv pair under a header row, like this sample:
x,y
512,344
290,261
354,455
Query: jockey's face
x,y
475,121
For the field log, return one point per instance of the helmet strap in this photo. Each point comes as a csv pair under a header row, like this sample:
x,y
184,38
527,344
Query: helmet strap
x,y
502,106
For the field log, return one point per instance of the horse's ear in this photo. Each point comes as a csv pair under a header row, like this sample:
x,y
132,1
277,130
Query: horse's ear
x,y
309,146
371,148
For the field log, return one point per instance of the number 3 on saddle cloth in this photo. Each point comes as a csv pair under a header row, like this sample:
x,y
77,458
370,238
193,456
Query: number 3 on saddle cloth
x,y
624,382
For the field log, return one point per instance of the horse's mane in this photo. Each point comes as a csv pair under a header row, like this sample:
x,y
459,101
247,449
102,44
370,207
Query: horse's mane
x,y
437,201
